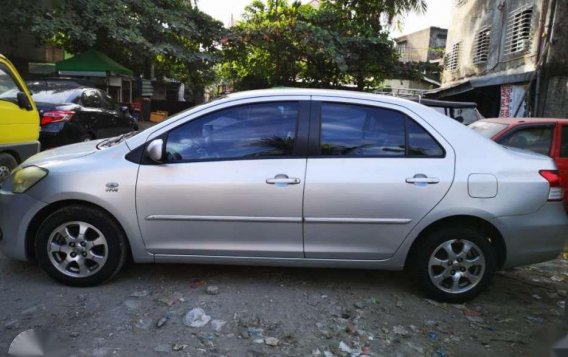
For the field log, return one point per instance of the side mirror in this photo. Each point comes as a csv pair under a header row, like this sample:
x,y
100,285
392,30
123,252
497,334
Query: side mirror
x,y
23,101
124,109
155,150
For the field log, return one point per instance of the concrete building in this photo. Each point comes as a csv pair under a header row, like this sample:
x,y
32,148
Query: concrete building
x,y
509,56
422,46
427,45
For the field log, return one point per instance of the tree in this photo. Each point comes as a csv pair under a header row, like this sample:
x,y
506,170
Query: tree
x,y
340,43
172,34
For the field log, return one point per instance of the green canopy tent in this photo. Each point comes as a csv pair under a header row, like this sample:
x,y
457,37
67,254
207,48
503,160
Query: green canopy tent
x,y
93,63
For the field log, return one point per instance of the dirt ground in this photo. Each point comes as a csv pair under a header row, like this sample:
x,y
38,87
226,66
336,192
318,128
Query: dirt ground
x,y
260,311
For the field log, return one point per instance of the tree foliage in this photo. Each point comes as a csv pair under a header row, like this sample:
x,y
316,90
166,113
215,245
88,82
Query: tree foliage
x,y
172,34
341,42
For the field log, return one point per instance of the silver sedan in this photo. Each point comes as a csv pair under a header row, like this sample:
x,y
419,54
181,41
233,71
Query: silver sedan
x,y
290,177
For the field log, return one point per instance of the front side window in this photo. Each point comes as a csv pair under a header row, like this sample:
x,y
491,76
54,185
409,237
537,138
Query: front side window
x,y
360,131
537,139
107,101
266,130
8,87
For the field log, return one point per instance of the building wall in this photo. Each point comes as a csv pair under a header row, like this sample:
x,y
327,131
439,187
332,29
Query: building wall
x,y
553,99
422,46
469,18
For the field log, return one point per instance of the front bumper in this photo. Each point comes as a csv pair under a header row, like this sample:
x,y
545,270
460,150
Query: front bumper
x,y
535,237
16,212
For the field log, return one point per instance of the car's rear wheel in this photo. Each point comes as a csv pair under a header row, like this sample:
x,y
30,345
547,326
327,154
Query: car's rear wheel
x,y
80,246
7,164
454,264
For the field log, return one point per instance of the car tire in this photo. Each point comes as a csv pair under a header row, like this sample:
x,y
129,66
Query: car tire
x,y
454,264
7,164
80,246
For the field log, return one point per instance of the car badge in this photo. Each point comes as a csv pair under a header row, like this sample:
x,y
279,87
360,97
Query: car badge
x,y
112,187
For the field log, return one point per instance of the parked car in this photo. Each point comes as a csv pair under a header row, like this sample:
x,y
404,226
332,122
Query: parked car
x,y
293,177
542,135
19,120
464,112
70,115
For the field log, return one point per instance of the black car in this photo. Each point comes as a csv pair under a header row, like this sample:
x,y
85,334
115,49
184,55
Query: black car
x,y
70,115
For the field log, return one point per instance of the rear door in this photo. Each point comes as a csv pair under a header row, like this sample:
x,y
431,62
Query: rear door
x,y
92,114
118,123
373,173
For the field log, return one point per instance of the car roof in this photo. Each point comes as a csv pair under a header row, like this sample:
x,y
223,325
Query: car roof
x,y
517,121
320,92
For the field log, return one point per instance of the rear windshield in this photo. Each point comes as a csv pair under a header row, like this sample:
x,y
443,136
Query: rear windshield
x,y
487,129
55,96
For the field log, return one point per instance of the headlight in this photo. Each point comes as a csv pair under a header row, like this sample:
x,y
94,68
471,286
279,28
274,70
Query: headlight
x,y
24,179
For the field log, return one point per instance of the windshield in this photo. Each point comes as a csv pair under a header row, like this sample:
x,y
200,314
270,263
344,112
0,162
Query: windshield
x,y
487,129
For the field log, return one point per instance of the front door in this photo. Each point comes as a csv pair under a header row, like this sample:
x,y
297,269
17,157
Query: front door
x,y
231,185
374,173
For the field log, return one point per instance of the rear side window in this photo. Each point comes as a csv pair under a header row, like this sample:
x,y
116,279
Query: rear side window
x,y
420,143
534,138
564,142
361,131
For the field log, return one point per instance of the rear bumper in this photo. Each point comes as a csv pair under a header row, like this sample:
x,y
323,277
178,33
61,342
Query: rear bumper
x,y
16,212
536,237
58,134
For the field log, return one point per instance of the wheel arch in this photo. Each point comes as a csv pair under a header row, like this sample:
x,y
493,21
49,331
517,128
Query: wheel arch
x,y
42,214
493,235
12,153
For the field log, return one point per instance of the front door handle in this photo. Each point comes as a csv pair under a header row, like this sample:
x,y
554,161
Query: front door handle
x,y
283,180
423,180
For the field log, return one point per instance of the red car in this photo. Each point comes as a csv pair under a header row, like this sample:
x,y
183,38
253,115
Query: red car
x,y
543,135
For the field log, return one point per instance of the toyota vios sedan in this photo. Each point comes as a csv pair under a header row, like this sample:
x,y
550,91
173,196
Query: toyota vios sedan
x,y
290,177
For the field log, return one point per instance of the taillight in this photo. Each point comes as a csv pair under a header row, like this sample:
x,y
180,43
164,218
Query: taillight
x,y
556,192
54,116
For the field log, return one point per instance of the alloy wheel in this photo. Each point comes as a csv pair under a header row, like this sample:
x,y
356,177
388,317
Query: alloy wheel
x,y
456,266
77,249
4,173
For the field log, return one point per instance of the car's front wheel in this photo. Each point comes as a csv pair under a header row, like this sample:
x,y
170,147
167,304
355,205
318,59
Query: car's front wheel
x,y
80,246
7,164
454,264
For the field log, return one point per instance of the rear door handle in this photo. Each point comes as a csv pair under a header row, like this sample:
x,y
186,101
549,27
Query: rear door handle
x,y
422,179
282,180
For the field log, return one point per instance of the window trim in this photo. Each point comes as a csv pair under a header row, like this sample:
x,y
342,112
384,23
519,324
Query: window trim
x,y
518,128
300,145
314,151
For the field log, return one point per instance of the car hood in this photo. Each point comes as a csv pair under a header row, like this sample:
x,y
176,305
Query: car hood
x,y
63,153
